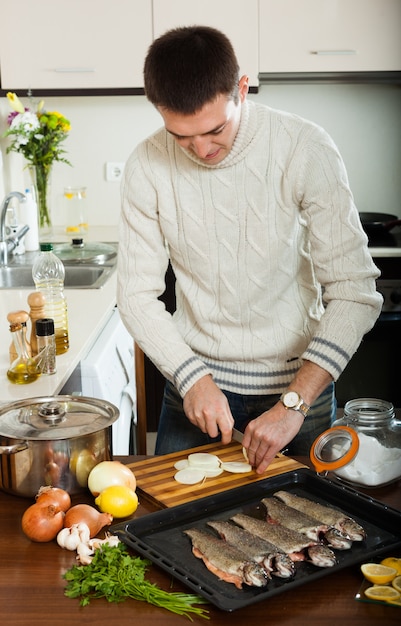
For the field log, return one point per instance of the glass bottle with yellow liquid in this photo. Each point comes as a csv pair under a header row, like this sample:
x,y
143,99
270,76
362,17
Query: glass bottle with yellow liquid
x,y
24,369
75,210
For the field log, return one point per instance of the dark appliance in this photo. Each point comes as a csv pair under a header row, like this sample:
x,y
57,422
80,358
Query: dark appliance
x,y
374,370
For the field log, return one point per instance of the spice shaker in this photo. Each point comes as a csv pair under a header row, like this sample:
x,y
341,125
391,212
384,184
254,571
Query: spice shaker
x,y
364,446
46,344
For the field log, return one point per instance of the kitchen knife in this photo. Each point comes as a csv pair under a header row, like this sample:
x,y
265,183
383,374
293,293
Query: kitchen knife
x,y
237,435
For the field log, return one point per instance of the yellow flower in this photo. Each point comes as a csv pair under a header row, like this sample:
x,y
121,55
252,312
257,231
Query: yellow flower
x,y
15,102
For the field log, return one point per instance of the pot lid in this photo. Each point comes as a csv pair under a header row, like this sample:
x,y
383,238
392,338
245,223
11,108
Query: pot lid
x,y
79,251
334,448
55,417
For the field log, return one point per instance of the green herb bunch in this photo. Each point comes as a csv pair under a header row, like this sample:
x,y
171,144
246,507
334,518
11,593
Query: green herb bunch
x,y
116,575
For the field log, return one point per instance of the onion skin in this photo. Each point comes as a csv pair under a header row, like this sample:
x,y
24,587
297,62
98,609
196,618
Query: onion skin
x,y
42,522
108,473
86,514
54,495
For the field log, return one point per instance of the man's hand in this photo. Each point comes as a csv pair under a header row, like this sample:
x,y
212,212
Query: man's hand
x,y
207,407
273,430
269,433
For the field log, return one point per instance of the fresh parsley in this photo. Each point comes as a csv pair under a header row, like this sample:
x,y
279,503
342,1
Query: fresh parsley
x,y
116,575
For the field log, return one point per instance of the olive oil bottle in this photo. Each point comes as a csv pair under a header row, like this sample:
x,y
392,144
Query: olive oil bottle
x,y
24,369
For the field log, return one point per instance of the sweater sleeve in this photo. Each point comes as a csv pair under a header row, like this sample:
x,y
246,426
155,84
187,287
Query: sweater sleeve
x,y
142,265
340,255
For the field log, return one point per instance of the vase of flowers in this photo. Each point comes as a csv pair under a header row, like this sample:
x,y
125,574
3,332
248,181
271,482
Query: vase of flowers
x,y
38,136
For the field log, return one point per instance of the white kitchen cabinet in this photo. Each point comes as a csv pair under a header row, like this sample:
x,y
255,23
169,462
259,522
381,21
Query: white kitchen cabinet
x,y
238,19
330,35
79,44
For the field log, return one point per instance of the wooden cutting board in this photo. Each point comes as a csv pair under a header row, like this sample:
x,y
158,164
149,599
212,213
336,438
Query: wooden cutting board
x,y
155,476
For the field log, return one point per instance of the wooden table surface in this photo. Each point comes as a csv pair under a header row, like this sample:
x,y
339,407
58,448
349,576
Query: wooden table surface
x,y
32,587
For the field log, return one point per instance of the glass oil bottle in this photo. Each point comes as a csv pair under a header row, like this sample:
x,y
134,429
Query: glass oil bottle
x,y
24,369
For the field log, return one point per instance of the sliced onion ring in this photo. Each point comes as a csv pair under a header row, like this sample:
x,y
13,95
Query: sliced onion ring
x,y
236,467
203,459
189,476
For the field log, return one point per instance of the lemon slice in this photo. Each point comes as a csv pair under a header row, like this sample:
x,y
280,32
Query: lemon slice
x,y
378,574
392,561
397,583
383,593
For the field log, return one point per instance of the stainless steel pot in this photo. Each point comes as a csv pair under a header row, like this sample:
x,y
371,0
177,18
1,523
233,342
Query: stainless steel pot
x,y
54,441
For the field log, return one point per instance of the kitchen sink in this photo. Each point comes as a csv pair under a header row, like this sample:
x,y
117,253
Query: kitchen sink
x,y
76,277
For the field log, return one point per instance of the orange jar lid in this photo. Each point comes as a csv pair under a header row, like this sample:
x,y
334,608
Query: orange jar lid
x,y
334,448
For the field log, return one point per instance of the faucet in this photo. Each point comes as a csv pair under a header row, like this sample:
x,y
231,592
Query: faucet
x,y
8,244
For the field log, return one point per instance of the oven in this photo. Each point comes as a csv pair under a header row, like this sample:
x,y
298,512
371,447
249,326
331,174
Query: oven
x,y
374,371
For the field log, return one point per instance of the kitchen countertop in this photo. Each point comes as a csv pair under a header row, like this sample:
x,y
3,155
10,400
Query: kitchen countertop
x,y
31,585
88,311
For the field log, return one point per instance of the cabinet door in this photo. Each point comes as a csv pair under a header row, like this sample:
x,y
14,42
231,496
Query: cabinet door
x,y
79,44
236,18
330,35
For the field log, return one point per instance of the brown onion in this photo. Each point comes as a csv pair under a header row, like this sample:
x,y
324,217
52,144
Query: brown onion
x,y
54,495
42,522
86,514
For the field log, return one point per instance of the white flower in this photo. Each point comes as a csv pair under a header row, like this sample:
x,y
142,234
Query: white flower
x,y
25,122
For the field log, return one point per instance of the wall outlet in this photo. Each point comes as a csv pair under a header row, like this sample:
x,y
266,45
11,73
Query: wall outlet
x,y
114,172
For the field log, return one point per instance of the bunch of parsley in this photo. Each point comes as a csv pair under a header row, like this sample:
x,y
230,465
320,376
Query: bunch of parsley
x,y
115,575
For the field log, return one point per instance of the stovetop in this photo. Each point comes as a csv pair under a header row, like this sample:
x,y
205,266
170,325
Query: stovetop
x,y
386,244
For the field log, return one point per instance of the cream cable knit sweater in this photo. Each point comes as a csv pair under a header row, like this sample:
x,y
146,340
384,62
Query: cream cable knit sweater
x,y
251,241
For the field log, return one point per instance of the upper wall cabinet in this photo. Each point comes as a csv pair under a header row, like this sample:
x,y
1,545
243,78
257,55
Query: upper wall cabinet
x,y
54,44
330,36
238,19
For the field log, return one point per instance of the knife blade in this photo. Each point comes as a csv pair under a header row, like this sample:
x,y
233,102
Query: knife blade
x,y
237,435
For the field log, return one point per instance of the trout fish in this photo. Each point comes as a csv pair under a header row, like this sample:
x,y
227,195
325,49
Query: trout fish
x,y
225,561
298,546
334,517
274,561
278,512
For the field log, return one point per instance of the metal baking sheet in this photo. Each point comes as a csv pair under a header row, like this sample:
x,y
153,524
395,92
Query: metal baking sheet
x,y
159,536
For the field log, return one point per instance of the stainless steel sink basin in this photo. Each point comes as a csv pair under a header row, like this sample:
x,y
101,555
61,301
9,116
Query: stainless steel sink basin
x,y
76,276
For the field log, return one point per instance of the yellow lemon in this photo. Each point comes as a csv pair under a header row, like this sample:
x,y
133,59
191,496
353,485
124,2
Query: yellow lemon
x,y
392,561
397,583
383,593
118,500
377,573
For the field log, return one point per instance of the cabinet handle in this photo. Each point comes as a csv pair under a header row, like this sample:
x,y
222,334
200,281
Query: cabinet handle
x,y
74,69
333,52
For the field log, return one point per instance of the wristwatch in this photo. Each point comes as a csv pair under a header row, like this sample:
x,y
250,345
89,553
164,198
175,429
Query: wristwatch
x,y
292,400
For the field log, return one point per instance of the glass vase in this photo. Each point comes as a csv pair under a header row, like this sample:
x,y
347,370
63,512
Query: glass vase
x,y
41,176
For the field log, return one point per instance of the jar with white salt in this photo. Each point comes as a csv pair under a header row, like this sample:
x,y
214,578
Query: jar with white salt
x,y
364,446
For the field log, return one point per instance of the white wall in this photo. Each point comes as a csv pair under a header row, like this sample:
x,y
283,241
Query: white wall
x,y
364,121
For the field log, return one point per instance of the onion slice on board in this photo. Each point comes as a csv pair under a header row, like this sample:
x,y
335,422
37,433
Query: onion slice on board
x,y
236,467
189,476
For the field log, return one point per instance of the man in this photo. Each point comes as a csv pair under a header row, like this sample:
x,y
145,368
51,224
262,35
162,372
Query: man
x,y
253,209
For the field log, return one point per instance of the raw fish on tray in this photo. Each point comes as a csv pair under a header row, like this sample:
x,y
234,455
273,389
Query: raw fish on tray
x,y
225,561
280,513
274,561
298,546
325,514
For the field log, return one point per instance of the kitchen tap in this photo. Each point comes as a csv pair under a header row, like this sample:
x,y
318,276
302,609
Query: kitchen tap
x,y
8,244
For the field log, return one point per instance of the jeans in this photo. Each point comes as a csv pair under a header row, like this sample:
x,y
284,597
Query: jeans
x,y
175,432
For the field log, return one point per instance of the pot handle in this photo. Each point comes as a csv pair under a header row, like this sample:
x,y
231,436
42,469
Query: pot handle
x,y
17,447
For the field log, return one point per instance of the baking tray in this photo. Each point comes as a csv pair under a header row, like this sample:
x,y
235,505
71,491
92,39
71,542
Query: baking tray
x,y
159,536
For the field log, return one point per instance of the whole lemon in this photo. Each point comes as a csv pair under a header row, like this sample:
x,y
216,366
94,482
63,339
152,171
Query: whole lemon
x,y
118,500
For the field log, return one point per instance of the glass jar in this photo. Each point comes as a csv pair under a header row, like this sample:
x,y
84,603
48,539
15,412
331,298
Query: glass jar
x,y
364,446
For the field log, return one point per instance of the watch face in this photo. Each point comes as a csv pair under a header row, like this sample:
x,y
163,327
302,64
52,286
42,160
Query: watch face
x,y
291,398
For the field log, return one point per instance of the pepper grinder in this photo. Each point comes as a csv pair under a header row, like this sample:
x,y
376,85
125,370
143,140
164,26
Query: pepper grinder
x,y
18,317
36,301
